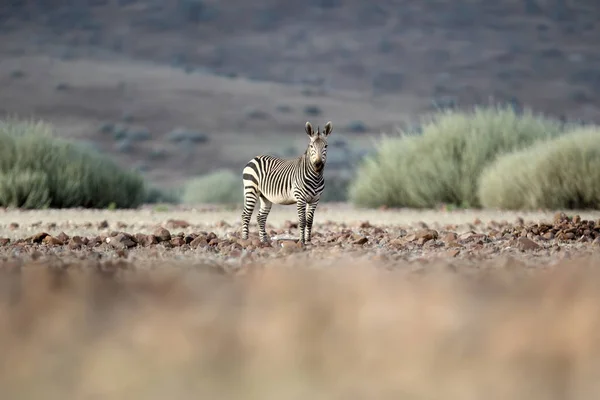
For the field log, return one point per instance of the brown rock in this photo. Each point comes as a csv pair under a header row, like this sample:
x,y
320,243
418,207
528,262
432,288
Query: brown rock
x,y
360,240
213,242
188,238
560,217
177,224
148,240
162,234
426,234
103,224
410,238
290,244
450,237
52,241
75,243
210,236
13,226
178,241
4,241
548,235
38,237
121,241
63,237
200,241
525,244
96,241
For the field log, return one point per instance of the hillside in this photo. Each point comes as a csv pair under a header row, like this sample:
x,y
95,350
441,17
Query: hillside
x,y
243,78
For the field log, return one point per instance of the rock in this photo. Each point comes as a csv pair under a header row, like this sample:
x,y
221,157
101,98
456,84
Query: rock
x,y
63,237
121,241
75,243
96,241
548,235
450,237
177,224
189,238
425,235
38,237
200,241
103,224
290,244
560,217
525,244
178,241
359,239
162,234
4,241
52,241
13,226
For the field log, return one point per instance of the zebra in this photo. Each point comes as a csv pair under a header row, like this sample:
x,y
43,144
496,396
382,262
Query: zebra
x,y
299,181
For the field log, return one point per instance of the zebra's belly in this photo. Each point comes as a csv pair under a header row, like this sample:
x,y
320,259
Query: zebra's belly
x,y
282,198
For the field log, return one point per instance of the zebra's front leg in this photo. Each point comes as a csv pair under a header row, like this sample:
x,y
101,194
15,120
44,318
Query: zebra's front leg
x,y
263,213
302,219
310,213
249,203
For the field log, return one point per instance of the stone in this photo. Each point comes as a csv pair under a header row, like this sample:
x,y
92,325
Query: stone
x,y
162,234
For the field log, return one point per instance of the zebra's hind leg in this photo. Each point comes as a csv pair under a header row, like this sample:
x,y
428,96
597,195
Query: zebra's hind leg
x,y
263,213
310,213
250,197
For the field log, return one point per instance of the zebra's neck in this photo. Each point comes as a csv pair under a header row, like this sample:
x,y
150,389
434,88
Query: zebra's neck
x,y
308,167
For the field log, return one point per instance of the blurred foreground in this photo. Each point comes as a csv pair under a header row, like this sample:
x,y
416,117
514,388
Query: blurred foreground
x,y
114,330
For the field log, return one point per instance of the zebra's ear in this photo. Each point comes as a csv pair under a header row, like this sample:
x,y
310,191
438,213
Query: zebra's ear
x,y
328,129
309,129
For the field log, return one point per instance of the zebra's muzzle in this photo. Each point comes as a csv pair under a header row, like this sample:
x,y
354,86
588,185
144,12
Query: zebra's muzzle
x,y
319,165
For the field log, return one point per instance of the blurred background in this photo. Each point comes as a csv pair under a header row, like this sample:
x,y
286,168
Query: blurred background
x,y
182,88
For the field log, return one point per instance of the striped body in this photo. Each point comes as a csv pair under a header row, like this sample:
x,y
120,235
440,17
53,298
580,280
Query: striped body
x,y
272,180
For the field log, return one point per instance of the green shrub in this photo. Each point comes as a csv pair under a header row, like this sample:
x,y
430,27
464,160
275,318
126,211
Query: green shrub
x,y
443,163
156,195
38,170
219,187
563,173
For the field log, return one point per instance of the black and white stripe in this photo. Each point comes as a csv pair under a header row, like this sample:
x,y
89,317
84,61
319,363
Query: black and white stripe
x,y
271,179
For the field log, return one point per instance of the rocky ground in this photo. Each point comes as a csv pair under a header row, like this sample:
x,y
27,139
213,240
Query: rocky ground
x,y
213,235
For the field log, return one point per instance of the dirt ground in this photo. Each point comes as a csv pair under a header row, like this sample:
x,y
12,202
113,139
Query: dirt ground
x,y
150,304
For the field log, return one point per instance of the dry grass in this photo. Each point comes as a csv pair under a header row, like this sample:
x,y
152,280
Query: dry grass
x,y
560,173
346,331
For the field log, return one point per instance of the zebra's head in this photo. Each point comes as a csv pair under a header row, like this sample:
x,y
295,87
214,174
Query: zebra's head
x,y
317,148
